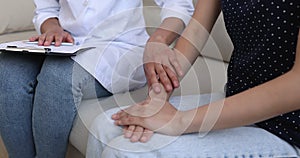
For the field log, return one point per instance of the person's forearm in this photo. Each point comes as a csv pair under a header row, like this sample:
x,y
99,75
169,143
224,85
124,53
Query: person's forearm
x,y
271,99
49,23
278,96
194,37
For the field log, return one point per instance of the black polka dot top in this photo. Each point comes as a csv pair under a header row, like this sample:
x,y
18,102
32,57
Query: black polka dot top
x,y
264,34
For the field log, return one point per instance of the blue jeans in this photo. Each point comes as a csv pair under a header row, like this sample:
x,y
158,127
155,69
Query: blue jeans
x,y
39,97
240,142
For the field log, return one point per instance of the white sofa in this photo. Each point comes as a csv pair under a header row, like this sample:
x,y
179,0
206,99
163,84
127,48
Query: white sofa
x,y
207,75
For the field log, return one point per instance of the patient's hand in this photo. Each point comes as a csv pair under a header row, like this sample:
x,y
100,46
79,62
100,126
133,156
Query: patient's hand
x,y
155,114
165,120
137,133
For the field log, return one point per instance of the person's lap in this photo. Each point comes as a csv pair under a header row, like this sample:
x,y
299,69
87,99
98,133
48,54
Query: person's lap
x,y
235,142
107,140
62,84
35,91
18,80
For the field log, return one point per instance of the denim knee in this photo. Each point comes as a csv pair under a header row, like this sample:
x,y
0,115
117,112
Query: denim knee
x,y
18,75
56,73
62,75
17,83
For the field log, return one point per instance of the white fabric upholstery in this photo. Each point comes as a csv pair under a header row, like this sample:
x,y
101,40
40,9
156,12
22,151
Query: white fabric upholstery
x,y
16,15
13,36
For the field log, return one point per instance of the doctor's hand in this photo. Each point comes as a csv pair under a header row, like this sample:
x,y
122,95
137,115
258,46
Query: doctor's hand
x,y
52,32
161,66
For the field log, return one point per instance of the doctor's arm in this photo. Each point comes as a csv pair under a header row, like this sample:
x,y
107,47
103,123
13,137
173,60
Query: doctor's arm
x,y
160,61
158,55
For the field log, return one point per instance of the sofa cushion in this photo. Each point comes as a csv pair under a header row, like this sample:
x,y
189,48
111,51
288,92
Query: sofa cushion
x,y
14,36
16,16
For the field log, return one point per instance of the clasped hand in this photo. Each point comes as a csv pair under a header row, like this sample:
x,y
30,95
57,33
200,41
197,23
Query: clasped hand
x,y
161,66
153,114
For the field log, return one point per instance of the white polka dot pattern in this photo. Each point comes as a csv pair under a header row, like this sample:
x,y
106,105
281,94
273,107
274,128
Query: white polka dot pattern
x,y
264,34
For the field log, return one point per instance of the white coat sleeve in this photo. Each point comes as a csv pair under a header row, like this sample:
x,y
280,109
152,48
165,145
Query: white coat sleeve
x,y
182,9
44,10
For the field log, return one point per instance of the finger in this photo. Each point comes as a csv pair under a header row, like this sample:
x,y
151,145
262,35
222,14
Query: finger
x,y
33,38
163,77
69,38
115,116
41,39
172,76
122,117
137,134
174,62
147,134
152,77
58,40
127,120
128,131
118,115
48,40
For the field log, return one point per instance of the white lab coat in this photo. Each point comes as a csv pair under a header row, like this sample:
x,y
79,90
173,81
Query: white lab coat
x,y
116,28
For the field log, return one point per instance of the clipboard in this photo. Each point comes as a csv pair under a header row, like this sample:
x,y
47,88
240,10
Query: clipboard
x,y
23,47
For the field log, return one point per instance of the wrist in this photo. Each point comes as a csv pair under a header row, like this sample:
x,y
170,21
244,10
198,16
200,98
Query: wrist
x,y
158,39
162,35
186,121
183,121
50,24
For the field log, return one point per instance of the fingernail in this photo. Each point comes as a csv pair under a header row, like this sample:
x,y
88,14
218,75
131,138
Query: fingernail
x,y
180,73
157,89
175,83
127,134
133,139
143,139
169,87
